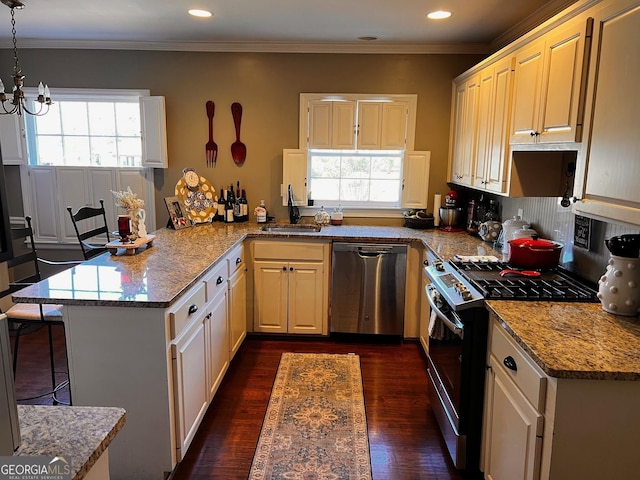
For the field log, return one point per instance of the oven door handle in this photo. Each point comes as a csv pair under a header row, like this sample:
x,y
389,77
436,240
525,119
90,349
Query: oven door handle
x,y
455,325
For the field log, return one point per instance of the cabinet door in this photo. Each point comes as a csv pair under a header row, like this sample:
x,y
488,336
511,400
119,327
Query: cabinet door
x,y
497,155
513,431
306,294
464,147
606,181
217,342
237,310
485,125
270,296
189,383
564,82
415,179
526,93
369,125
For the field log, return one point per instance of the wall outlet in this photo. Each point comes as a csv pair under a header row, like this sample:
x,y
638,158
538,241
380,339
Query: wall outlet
x,y
521,213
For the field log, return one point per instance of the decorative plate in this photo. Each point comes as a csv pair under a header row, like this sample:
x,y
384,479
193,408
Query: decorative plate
x,y
201,203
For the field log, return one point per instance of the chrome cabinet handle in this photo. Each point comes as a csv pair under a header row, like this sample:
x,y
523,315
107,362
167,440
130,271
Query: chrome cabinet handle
x,y
193,309
510,363
219,280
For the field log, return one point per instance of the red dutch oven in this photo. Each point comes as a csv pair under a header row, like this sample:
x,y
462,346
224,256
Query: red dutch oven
x,y
534,253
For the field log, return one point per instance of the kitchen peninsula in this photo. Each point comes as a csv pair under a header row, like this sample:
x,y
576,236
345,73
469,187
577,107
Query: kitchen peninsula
x,y
125,322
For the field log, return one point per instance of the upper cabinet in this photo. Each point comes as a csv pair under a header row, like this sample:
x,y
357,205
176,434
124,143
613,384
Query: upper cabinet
x,y
154,132
466,95
12,140
382,125
549,85
606,183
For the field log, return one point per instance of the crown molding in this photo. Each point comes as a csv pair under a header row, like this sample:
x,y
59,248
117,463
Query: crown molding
x,y
259,47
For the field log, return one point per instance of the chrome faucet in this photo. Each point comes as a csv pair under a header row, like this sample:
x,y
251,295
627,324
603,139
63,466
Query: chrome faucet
x,y
294,212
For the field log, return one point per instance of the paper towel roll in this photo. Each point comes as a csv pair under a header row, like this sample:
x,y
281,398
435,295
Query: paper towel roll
x,y
437,201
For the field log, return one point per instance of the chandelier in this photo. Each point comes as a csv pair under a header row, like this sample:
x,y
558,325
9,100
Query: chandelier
x,y
15,103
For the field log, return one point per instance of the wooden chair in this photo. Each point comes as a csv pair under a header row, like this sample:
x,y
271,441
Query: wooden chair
x,y
24,270
93,248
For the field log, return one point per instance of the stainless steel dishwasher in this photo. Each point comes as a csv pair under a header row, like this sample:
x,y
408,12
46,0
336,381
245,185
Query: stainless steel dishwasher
x,y
367,288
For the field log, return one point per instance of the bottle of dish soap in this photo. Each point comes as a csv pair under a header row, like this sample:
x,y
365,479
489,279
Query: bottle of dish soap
x,y
261,212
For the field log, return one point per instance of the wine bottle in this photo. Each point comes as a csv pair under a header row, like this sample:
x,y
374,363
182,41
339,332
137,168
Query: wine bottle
x,y
236,205
244,206
221,207
229,206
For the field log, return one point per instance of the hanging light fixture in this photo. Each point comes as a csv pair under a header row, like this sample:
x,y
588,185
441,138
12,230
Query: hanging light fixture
x,y
16,101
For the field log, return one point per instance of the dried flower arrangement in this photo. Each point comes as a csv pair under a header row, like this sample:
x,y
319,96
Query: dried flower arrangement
x,y
128,200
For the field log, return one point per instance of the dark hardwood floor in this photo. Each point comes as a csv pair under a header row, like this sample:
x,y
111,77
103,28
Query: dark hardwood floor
x,y
405,443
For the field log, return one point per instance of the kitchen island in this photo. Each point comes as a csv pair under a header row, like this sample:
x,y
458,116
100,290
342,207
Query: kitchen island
x,y
120,313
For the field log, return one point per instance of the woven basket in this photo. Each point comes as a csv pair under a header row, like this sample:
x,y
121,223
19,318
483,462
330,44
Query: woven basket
x,y
419,223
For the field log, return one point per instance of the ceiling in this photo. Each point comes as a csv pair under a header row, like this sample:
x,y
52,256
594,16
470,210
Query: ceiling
x,y
275,25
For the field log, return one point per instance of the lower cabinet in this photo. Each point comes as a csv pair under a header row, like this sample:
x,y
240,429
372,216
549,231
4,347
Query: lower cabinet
x,y
217,342
290,286
513,429
237,299
191,395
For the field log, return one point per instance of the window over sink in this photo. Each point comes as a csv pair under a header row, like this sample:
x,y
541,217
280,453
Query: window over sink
x,y
356,150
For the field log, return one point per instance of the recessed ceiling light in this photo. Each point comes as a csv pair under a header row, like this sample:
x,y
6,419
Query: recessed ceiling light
x,y
438,15
200,13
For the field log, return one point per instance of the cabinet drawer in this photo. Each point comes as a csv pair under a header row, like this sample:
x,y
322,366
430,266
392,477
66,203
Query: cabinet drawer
x,y
216,280
288,250
235,260
184,311
527,376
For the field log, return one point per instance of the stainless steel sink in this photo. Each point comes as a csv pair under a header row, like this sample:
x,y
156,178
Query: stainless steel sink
x,y
291,228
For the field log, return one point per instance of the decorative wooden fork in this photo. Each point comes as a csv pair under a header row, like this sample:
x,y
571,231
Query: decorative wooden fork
x,y
211,148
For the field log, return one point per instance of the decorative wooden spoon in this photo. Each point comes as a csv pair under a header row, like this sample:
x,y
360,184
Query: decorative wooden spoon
x,y
238,149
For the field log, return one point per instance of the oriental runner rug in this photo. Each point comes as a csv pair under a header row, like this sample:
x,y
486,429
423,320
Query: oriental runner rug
x,y
315,425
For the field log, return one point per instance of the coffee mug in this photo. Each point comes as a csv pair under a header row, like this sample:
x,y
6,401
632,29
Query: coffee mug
x,y
490,230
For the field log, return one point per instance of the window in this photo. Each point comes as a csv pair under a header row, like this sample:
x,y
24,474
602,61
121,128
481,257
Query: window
x,y
356,178
354,151
88,128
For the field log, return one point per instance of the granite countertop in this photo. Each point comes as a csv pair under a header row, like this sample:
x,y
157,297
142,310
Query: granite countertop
x,y
82,433
157,276
573,340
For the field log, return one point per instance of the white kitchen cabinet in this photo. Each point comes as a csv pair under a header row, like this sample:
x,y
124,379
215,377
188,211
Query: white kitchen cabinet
x,y
513,432
494,107
463,146
236,267
549,85
216,331
190,391
606,183
332,125
290,286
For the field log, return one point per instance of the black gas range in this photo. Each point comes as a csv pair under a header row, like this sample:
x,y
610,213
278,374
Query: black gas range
x,y
557,284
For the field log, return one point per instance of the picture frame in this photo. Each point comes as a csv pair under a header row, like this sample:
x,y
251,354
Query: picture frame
x,y
176,209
